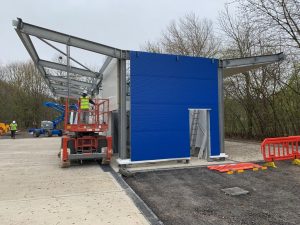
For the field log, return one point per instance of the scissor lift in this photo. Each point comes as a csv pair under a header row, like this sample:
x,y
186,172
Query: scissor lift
x,y
85,134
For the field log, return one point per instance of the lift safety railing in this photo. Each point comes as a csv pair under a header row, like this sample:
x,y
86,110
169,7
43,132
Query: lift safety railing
x,y
96,119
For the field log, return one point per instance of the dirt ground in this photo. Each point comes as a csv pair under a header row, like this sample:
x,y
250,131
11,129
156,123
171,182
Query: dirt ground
x,y
194,196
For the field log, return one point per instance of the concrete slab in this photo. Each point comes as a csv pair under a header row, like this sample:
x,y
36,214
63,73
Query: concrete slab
x,y
35,190
194,162
238,151
235,191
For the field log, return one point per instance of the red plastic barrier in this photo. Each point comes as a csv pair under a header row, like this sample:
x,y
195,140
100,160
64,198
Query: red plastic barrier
x,y
234,167
281,148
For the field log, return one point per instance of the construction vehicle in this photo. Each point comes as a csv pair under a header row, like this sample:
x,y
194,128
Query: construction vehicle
x,y
49,128
4,128
85,134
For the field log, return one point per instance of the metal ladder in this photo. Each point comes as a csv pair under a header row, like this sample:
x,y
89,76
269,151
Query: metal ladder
x,y
194,130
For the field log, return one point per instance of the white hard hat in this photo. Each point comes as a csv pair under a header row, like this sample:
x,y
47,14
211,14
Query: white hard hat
x,y
84,92
14,121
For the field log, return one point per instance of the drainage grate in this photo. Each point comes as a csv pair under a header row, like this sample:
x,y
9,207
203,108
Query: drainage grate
x,y
234,191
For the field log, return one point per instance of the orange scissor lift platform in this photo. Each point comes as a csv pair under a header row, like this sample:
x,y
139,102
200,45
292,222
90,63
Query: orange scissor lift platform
x,y
85,134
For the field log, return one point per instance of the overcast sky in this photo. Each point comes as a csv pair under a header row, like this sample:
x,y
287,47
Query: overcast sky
x,y
125,24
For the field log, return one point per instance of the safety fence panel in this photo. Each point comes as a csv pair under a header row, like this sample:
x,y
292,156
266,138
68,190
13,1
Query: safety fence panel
x,y
281,148
234,167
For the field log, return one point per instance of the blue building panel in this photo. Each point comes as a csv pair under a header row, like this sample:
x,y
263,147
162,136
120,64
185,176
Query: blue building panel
x,y
163,88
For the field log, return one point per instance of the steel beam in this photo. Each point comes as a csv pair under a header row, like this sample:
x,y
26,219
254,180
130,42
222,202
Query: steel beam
x,y
62,89
105,64
240,65
47,34
68,70
221,110
97,85
33,54
65,88
60,51
72,81
62,67
122,110
65,93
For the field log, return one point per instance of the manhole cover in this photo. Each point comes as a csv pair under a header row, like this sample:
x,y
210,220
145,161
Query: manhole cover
x,y
235,191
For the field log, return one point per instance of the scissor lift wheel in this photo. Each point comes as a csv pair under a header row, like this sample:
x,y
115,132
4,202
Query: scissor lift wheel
x,y
65,164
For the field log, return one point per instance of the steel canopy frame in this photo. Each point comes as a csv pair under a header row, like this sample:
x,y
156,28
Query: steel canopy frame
x,y
62,67
72,88
72,92
64,87
64,94
62,38
59,84
26,30
61,79
241,65
33,54
96,86
229,67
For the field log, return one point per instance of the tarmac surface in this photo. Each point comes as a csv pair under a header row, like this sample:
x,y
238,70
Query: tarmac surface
x,y
34,190
194,196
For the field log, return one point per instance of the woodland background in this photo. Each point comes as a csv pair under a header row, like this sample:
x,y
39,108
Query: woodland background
x,y
258,104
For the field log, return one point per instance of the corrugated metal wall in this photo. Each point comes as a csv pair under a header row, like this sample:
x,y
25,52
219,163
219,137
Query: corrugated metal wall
x,y
163,88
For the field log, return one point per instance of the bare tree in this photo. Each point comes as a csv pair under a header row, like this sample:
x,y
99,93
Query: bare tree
x,y
250,90
187,36
261,102
281,18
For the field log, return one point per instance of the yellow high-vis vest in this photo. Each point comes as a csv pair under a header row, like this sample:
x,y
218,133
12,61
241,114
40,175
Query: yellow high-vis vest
x,y
13,126
84,103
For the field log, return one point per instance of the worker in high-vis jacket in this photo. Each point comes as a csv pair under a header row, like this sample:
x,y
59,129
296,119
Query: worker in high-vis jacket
x,y
13,128
85,102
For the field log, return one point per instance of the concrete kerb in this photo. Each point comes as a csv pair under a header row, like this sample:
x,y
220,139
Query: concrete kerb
x,y
140,204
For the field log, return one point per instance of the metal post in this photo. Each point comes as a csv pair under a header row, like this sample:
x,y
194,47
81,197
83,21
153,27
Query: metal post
x,y
221,107
208,144
122,145
68,70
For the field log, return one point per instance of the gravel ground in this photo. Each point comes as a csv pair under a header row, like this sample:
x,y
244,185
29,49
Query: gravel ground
x,y
243,151
194,196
